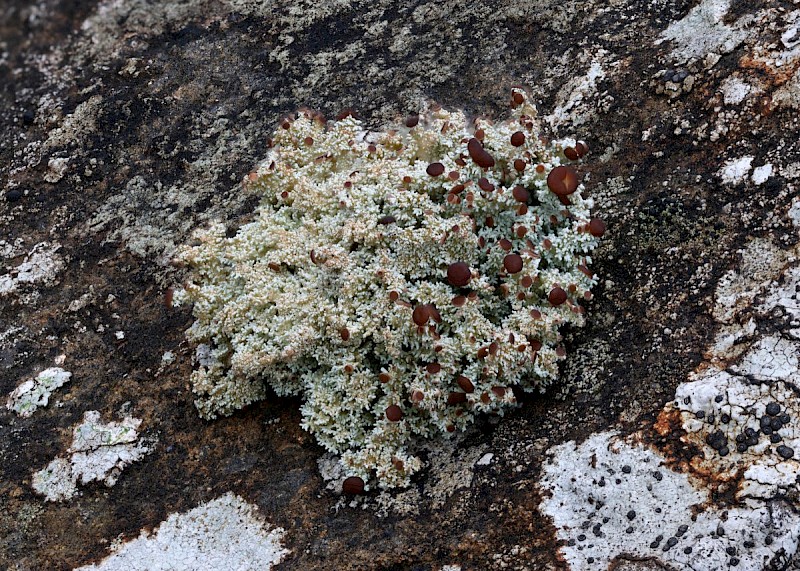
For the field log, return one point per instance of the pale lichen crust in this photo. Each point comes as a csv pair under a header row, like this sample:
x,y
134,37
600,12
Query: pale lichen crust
x,y
400,282
35,393
99,452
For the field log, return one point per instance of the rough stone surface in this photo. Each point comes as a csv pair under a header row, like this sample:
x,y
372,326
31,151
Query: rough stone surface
x,y
127,124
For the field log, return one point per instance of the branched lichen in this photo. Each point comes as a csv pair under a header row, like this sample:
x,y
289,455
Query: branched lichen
x,y
399,282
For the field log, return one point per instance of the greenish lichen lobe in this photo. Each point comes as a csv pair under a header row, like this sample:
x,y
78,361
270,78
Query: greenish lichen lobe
x,y
396,281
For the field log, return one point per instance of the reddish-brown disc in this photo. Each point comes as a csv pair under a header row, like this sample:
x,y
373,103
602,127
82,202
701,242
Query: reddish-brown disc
x,y
485,185
435,169
499,391
412,121
394,413
520,194
513,263
459,300
344,333
465,384
504,244
518,139
582,148
571,154
433,368
562,181
478,154
557,296
518,98
597,227
457,189
526,281
353,486
519,165
536,314
458,274
384,377
417,396
420,315
456,398
388,219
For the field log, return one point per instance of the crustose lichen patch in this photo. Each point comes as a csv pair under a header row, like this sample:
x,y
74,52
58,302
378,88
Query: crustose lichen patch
x,y
399,282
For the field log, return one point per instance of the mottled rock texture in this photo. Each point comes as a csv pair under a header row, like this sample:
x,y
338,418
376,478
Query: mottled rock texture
x,y
127,124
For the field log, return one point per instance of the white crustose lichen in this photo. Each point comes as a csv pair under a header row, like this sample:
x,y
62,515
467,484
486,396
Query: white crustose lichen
x,y
399,282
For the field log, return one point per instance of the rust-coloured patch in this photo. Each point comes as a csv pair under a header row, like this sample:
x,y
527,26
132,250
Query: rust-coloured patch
x,y
681,454
773,76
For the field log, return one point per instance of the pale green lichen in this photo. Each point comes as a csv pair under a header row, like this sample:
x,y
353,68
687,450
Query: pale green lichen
x,y
315,297
99,452
35,393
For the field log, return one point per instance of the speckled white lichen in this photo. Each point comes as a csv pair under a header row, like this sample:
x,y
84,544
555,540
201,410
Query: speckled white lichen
x,y
735,170
794,212
614,500
732,431
99,452
56,482
226,533
738,410
339,290
35,393
704,31
41,266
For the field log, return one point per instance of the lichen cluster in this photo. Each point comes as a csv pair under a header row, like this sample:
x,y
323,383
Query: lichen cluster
x,y
400,282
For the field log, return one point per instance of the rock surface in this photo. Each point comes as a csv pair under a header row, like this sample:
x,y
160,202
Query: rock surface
x,y
127,124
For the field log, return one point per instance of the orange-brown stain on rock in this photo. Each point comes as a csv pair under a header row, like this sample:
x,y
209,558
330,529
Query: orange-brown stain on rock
x,y
684,452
